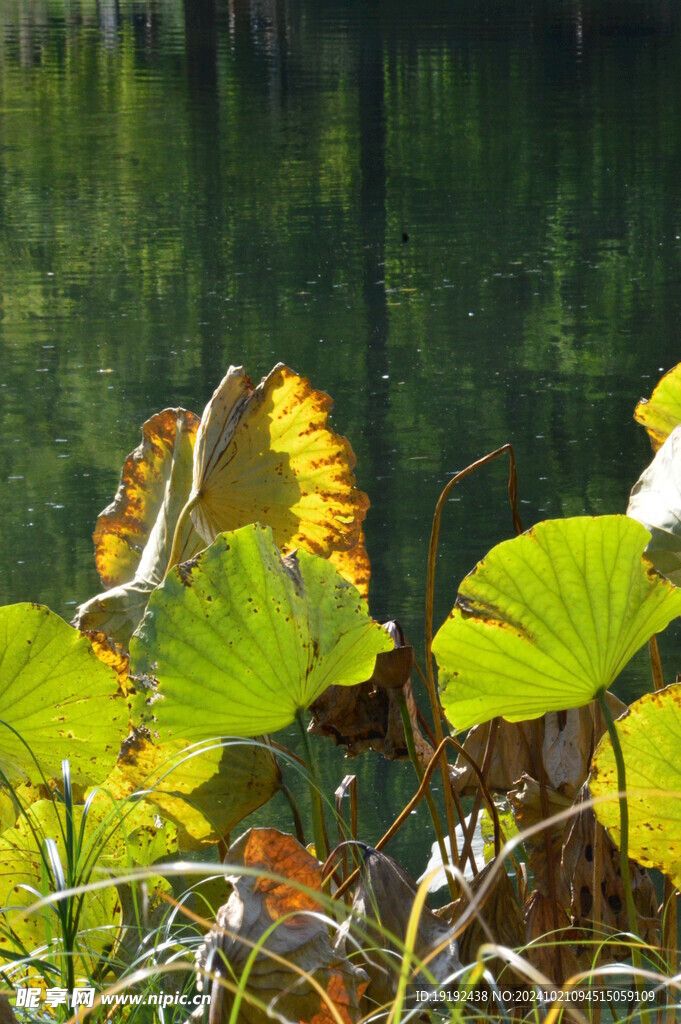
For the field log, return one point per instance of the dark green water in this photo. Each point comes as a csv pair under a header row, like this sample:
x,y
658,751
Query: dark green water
x,y
462,220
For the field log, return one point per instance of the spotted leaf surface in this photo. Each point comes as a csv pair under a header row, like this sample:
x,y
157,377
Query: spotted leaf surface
x,y
650,736
239,639
268,455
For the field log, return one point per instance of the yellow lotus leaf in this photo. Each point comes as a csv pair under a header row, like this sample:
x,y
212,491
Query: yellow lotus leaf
x,y
354,566
660,413
650,737
113,655
268,455
205,789
124,527
134,535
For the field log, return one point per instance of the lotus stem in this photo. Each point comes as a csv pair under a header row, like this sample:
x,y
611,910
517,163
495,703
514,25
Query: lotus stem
x,y
431,687
318,826
411,750
176,546
624,812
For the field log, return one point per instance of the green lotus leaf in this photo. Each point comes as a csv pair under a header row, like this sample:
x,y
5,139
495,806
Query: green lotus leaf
x,y
650,737
549,619
58,696
655,501
240,639
660,413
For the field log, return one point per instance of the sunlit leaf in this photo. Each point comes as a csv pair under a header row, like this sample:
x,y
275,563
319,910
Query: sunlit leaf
x,y
298,937
660,413
117,837
113,654
240,639
205,789
57,695
21,865
650,736
134,535
354,565
656,502
549,619
267,455
161,463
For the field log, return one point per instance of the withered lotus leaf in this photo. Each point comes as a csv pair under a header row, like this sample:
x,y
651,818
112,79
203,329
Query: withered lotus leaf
x,y
559,744
381,907
660,413
528,810
158,469
280,898
240,639
368,716
268,455
587,846
497,913
205,789
134,535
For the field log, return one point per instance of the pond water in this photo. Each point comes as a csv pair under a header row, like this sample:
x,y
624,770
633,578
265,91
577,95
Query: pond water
x,y
461,219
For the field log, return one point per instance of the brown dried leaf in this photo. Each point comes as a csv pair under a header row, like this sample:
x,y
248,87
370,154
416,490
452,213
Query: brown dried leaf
x,y
298,942
546,925
568,739
528,811
6,1011
367,716
385,895
498,916
587,840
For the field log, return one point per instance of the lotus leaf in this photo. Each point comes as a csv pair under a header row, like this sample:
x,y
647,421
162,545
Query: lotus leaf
x,y
134,535
283,914
382,903
660,413
650,737
57,695
656,502
241,639
206,790
549,619
354,565
21,864
267,455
